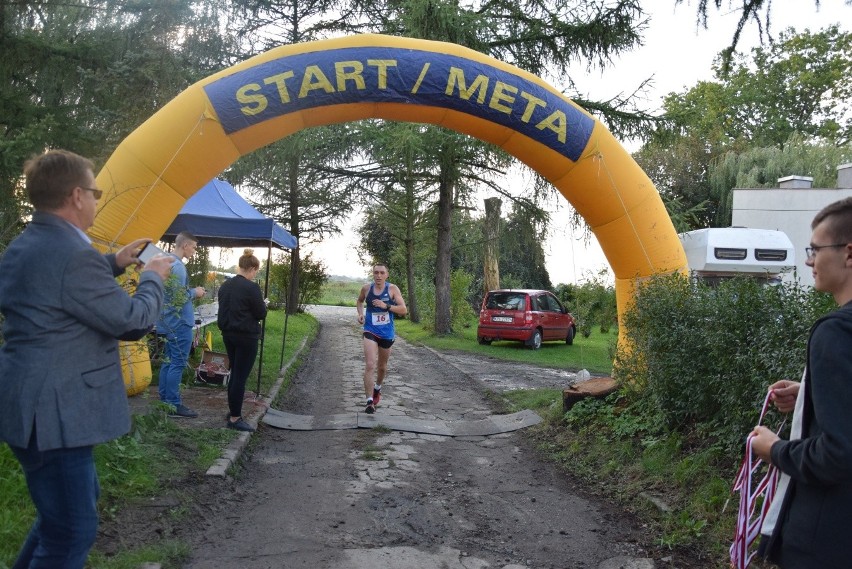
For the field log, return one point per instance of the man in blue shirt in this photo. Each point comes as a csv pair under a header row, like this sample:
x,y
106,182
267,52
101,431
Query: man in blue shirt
x,y
176,323
383,301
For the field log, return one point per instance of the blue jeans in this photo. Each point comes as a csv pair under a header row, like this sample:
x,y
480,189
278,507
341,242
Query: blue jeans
x,y
176,354
64,487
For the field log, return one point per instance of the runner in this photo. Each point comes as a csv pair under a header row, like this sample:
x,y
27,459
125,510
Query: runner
x,y
383,301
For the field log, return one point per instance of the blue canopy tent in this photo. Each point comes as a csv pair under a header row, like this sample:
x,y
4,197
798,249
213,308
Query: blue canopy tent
x,y
219,217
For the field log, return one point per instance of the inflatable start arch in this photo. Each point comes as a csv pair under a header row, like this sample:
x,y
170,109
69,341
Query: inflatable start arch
x,y
217,120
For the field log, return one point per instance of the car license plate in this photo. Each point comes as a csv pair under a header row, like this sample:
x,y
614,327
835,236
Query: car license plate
x,y
501,319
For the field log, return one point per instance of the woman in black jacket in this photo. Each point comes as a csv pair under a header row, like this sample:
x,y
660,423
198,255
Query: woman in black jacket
x,y
241,306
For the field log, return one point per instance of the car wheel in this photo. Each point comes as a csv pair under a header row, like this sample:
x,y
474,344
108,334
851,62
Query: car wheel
x,y
484,341
569,339
534,343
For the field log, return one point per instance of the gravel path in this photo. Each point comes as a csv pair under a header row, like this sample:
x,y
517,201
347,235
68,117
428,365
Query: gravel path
x,y
394,500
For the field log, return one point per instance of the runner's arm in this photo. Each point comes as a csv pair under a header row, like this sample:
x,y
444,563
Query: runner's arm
x,y
359,305
398,302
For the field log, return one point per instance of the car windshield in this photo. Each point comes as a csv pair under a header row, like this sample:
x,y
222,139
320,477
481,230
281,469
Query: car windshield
x,y
506,301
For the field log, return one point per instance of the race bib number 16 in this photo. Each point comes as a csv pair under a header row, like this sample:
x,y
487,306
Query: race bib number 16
x,y
381,318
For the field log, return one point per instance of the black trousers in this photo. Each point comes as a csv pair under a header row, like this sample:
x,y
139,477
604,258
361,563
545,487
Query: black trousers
x,y
242,352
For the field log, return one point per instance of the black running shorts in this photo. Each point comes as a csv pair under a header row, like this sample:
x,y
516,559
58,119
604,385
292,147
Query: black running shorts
x,y
383,343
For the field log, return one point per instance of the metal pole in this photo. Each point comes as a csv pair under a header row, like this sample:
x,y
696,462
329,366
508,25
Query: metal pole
x,y
286,316
263,323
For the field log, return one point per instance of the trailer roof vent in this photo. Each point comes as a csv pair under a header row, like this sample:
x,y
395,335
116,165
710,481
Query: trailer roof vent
x,y
729,254
795,182
770,254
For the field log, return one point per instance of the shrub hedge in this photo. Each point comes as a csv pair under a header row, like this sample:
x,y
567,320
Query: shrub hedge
x,y
699,358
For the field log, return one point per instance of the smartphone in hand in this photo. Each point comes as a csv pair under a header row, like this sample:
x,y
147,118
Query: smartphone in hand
x,y
148,251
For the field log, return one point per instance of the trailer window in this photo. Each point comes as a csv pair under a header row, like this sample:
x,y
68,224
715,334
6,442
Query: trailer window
x,y
729,253
770,254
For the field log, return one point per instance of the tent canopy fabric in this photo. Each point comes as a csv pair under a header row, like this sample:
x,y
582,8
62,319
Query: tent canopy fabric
x,y
219,217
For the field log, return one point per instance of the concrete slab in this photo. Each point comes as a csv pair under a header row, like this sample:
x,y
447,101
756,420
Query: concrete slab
x,y
493,425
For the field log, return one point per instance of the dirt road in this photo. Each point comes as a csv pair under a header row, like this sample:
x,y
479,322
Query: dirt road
x,y
395,500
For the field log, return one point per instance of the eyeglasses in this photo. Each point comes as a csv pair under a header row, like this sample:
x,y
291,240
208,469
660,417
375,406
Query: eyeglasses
x,y
813,249
95,192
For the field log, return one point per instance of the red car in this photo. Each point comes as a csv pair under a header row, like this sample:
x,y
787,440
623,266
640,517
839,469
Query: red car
x,y
528,316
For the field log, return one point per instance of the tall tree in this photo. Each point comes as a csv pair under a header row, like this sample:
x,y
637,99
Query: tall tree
x,y
265,24
537,35
798,86
491,248
398,181
83,75
522,254
761,167
295,181
758,12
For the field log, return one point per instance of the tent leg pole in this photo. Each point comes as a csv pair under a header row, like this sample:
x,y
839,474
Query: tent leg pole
x,y
263,325
260,362
284,335
283,341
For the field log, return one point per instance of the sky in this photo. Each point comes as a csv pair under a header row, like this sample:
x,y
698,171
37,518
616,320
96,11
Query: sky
x,y
676,55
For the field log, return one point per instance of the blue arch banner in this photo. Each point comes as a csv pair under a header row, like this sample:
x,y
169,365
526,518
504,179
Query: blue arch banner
x,y
397,75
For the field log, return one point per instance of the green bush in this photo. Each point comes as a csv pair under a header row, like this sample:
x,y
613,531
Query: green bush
x,y
312,278
424,290
592,303
461,312
704,356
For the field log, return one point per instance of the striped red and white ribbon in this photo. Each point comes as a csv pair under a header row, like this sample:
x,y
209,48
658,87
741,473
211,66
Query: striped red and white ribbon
x,y
750,517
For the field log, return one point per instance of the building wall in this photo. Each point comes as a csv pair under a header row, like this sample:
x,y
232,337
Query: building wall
x,y
787,210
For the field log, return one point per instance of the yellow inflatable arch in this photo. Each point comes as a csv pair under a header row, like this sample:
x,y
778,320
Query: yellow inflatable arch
x,y
217,120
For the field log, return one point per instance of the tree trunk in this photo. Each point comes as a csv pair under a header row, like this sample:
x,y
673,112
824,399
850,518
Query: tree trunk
x,y
410,214
293,293
295,257
411,301
443,318
491,255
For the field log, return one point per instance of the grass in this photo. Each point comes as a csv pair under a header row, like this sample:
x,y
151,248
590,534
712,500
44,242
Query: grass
x,y
131,468
340,293
371,452
142,463
299,326
593,353
171,554
16,509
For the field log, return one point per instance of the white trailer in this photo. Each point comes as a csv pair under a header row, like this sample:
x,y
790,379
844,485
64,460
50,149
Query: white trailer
x,y
720,253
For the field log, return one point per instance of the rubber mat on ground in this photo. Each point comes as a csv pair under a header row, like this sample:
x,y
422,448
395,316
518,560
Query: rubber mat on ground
x,y
293,422
492,425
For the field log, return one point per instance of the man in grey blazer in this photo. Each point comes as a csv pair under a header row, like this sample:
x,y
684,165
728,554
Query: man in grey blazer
x,y
61,387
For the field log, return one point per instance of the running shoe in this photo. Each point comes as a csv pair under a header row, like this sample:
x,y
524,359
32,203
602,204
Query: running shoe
x,y
240,425
183,411
377,396
371,408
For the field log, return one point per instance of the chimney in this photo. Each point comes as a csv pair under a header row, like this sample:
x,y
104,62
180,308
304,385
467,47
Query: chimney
x,y
795,182
844,176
